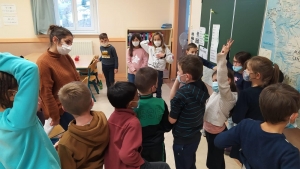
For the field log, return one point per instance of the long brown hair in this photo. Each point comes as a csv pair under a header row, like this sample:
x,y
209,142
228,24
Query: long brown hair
x,y
58,31
131,47
7,82
269,72
163,46
230,75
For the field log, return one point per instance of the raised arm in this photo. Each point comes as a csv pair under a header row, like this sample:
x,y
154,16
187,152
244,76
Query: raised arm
x,y
23,112
174,89
145,45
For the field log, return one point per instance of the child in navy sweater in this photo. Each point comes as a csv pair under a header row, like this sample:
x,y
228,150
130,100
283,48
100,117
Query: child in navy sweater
x,y
263,146
192,49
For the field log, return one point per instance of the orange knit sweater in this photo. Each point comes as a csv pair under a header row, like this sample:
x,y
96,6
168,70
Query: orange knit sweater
x,y
55,71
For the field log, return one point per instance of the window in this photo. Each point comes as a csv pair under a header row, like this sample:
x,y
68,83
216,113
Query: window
x,y
79,16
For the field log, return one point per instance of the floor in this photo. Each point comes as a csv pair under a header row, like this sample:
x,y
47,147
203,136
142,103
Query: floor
x,y
102,104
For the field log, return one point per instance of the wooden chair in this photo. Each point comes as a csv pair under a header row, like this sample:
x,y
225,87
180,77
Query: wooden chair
x,y
91,78
94,72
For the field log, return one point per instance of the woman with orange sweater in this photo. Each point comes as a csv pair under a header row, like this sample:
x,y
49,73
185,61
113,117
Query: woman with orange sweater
x,y
56,69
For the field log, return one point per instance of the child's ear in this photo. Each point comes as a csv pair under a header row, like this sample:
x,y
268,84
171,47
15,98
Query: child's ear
x,y
257,75
92,103
63,108
293,117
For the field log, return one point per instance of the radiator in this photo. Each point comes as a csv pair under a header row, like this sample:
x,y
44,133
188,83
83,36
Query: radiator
x,y
82,48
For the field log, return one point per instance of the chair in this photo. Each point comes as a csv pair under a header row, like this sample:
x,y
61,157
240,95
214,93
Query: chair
x,y
94,72
91,78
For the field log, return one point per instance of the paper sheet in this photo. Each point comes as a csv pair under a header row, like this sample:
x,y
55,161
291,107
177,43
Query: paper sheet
x,y
214,43
192,36
8,8
203,52
265,53
202,31
10,20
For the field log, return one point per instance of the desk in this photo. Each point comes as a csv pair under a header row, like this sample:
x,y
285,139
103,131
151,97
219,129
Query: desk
x,y
293,136
33,57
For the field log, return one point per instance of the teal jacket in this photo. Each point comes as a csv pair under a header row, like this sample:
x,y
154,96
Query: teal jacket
x,y
23,141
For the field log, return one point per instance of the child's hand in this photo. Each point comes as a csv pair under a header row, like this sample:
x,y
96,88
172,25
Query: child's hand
x,y
116,71
215,68
160,55
39,104
226,48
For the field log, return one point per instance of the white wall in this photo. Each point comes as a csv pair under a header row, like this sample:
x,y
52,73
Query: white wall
x,y
196,7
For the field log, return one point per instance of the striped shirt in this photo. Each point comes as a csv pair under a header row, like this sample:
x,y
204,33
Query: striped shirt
x,y
188,107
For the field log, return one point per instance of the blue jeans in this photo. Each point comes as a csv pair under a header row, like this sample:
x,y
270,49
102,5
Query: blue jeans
x,y
131,77
185,155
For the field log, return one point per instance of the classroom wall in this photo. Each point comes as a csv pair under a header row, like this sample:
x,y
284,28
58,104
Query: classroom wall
x,y
115,16
196,6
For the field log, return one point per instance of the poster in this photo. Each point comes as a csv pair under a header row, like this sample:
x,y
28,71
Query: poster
x,y
10,20
8,8
203,52
214,43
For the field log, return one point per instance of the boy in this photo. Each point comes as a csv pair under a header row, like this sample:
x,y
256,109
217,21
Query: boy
x,y
153,114
192,49
109,59
83,144
23,142
125,131
263,146
187,110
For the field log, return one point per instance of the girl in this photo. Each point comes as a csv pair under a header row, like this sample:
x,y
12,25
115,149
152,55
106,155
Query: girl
x,y
159,55
24,144
218,107
136,57
56,69
262,73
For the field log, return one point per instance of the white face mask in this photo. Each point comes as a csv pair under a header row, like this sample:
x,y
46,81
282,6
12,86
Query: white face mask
x,y
157,43
64,49
135,43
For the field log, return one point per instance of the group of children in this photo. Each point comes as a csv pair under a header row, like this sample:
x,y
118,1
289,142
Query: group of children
x,y
133,136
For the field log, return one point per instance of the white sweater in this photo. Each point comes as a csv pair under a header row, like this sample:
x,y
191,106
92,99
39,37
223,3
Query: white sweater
x,y
157,64
219,104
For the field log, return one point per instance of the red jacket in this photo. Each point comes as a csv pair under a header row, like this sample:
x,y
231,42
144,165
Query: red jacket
x,y
125,141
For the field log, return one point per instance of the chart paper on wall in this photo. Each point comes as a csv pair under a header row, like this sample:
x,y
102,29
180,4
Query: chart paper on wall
x,y
214,43
8,8
10,20
203,52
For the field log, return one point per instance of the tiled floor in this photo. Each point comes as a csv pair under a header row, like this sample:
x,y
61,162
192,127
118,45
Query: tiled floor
x,y
103,105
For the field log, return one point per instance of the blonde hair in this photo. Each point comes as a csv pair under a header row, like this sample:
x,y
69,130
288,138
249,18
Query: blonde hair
x,y
163,46
75,97
269,72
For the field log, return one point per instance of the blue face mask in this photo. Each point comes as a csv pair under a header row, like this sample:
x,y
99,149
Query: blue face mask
x,y
246,76
237,68
179,79
215,87
291,126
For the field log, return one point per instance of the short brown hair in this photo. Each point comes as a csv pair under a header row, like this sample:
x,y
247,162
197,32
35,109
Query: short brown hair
x,y
75,97
191,46
230,75
7,82
269,72
192,65
278,102
103,36
145,78
242,57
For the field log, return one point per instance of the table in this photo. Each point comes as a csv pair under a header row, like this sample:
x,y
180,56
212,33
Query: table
x,y
83,63
293,136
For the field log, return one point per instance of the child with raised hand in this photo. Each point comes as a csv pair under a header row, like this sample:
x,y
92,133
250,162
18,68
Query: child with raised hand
x,y
263,145
125,129
192,49
217,109
153,114
24,144
136,56
159,55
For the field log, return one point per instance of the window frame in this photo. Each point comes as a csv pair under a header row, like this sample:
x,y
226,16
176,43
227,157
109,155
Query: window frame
x,y
94,29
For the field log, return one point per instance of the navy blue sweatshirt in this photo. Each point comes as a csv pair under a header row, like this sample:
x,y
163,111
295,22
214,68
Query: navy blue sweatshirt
x,y
109,56
247,105
260,149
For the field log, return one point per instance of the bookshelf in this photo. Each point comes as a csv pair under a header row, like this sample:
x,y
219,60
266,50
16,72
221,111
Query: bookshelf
x,y
146,33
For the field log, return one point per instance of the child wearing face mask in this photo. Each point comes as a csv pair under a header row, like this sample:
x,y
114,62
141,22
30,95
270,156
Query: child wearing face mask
x,y
218,106
192,49
159,55
136,56
109,59
262,73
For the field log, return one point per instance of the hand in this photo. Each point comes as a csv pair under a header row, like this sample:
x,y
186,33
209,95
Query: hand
x,y
215,68
54,122
116,71
226,48
39,104
134,72
160,55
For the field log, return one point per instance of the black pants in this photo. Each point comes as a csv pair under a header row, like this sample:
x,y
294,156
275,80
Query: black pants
x,y
159,83
109,74
215,156
185,155
155,165
155,153
65,120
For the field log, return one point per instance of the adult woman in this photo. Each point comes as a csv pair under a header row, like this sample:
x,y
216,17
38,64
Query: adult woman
x,y
56,69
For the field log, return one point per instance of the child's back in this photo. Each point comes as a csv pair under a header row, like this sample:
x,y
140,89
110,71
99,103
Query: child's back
x,y
24,143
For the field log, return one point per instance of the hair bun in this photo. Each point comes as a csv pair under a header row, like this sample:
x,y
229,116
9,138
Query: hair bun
x,y
52,27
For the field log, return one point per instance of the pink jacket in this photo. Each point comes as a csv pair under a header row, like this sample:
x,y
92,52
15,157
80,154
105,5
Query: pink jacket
x,y
137,61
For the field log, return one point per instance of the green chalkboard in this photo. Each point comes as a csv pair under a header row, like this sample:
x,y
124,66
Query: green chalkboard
x,y
248,23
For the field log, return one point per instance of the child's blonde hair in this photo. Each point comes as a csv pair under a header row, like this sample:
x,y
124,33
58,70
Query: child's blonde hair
x,y
269,72
75,97
163,46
